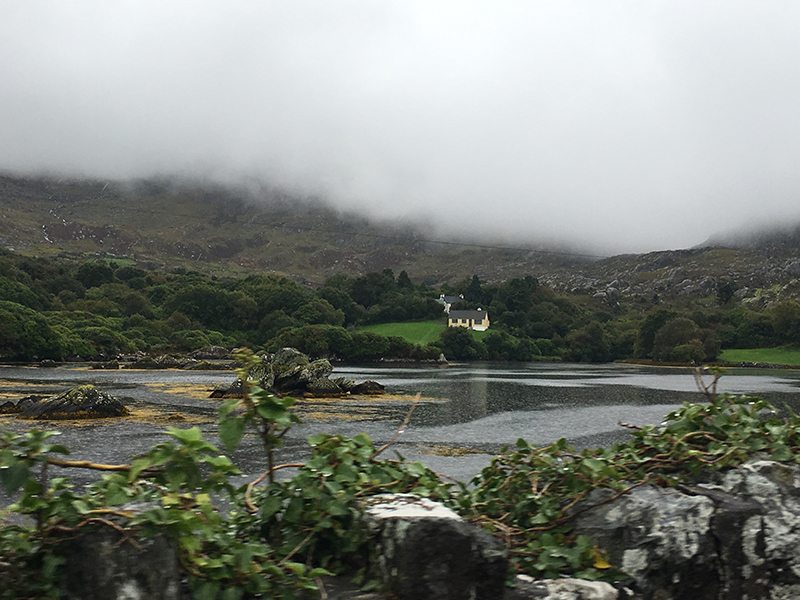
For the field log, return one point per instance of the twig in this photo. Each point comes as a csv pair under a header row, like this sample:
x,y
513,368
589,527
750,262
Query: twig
x,y
400,430
629,426
323,594
248,493
298,547
86,464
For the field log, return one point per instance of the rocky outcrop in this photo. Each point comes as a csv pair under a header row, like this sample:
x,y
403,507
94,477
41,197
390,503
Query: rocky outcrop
x,y
165,361
82,402
291,372
211,353
734,536
368,388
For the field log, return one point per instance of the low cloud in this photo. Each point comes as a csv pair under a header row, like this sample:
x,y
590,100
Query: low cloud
x,y
616,126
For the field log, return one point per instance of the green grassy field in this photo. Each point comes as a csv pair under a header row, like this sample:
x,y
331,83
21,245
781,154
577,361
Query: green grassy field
x,y
416,332
778,356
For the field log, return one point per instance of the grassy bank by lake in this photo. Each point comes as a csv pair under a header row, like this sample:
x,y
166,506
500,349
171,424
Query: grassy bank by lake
x,y
416,332
779,355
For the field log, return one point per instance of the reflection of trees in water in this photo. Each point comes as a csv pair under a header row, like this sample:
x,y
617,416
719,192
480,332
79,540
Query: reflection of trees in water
x,y
467,400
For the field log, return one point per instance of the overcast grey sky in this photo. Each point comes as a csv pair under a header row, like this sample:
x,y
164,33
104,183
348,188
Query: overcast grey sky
x,y
629,125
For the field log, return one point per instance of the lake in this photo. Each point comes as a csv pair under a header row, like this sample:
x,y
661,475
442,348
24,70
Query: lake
x,y
465,414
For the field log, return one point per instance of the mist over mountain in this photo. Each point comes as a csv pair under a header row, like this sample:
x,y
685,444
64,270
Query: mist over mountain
x,y
615,127
783,237
168,223
206,226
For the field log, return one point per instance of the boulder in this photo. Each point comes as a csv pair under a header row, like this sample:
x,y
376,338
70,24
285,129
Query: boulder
x,y
422,549
100,562
290,372
287,359
165,361
8,408
733,536
344,384
323,387
12,408
110,364
205,365
235,390
82,402
211,353
369,388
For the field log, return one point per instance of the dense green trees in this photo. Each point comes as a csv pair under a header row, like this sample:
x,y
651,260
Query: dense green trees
x,y
58,308
25,334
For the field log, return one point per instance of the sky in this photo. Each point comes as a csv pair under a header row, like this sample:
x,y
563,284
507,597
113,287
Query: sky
x,y
614,126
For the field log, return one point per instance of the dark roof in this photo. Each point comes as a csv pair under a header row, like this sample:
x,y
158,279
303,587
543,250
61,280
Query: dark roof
x,y
452,299
469,314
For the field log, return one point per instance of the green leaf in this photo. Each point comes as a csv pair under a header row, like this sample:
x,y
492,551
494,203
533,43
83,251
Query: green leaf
x,y
186,436
231,431
12,477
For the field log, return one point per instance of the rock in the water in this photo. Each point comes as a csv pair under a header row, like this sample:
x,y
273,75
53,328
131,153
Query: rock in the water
x,y
425,550
47,363
235,390
82,402
204,365
8,408
731,538
318,369
369,387
323,387
211,353
290,372
12,408
165,361
110,364
344,384
286,359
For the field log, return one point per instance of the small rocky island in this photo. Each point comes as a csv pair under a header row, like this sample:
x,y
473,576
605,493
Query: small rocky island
x,y
81,402
290,372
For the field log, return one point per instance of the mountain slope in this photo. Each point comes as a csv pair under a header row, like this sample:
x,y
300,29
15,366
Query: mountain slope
x,y
210,227
229,230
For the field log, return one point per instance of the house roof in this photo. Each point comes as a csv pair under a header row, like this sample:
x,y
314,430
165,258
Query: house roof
x,y
452,299
469,314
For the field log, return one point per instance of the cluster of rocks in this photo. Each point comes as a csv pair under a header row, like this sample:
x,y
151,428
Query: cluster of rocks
x,y
210,358
732,536
289,371
81,402
757,279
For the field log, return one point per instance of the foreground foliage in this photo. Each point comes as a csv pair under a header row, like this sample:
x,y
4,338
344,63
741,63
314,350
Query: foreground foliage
x,y
530,495
279,535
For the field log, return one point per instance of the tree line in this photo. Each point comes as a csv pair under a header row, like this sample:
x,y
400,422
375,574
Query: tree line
x,y
61,308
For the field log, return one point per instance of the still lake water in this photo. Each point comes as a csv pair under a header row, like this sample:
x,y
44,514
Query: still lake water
x,y
466,412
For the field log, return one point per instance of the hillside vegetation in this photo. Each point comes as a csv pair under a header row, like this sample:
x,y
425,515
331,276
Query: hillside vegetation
x,y
57,308
230,231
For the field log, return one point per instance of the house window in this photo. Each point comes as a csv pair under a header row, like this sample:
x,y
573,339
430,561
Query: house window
x,y
479,322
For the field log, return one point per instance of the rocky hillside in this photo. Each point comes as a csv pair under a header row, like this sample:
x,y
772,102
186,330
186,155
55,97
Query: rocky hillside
x,y
206,227
213,228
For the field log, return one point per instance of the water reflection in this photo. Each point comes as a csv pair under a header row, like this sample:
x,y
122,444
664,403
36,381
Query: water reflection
x,y
476,391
